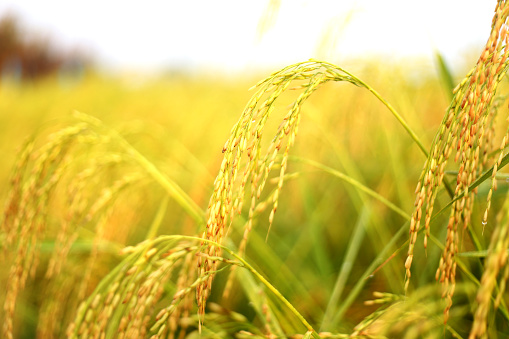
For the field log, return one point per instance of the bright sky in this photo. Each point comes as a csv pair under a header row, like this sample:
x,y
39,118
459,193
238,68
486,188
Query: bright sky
x,y
223,34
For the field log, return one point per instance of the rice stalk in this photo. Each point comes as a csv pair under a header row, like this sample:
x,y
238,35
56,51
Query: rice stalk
x,y
397,316
89,200
169,185
245,139
24,217
495,272
466,128
150,293
124,301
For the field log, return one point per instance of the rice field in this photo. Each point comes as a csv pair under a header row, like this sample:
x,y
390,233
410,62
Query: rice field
x,y
314,202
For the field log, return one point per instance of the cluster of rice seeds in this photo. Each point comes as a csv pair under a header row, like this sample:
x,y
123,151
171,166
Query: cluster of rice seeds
x,y
140,304
185,278
399,318
14,198
26,209
271,326
366,326
185,286
467,127
78,212
130,292
81,211
269,320
25,228
167,319
102,207
246,138
325,335
494,263
493,187
52,311
254,213
136,319
59,297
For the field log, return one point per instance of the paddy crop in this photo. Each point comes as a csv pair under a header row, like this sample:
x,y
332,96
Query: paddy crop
x,y
338,205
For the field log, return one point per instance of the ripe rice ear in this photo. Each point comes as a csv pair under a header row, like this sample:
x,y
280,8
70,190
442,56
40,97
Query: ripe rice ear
x,y
245,142
467,129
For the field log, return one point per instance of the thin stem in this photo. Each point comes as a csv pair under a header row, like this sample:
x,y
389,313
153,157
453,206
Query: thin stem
x,y
354,183
346,267
161,211
388,105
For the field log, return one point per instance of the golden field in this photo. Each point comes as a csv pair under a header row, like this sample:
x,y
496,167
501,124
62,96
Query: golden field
x,y
107,181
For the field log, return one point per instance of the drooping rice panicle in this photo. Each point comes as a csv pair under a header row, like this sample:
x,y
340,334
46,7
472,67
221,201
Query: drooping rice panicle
x,y
495,273
466,128
246,139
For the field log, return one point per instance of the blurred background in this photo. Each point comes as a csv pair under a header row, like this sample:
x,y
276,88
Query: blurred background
x,y
235,37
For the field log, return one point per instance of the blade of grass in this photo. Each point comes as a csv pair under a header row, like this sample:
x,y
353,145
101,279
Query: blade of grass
x,y
251,288
445,75
475,254
271,262
480,180
398,164
84,247
354,293
346,268
158,219
383,232
355,183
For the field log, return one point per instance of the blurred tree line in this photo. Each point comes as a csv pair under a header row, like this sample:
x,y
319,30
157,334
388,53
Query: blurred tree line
x,y
27,56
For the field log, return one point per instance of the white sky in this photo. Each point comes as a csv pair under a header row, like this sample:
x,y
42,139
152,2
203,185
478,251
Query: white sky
x,y
222,34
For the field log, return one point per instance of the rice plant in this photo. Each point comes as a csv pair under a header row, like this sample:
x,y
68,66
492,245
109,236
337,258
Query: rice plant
x,y
80,192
